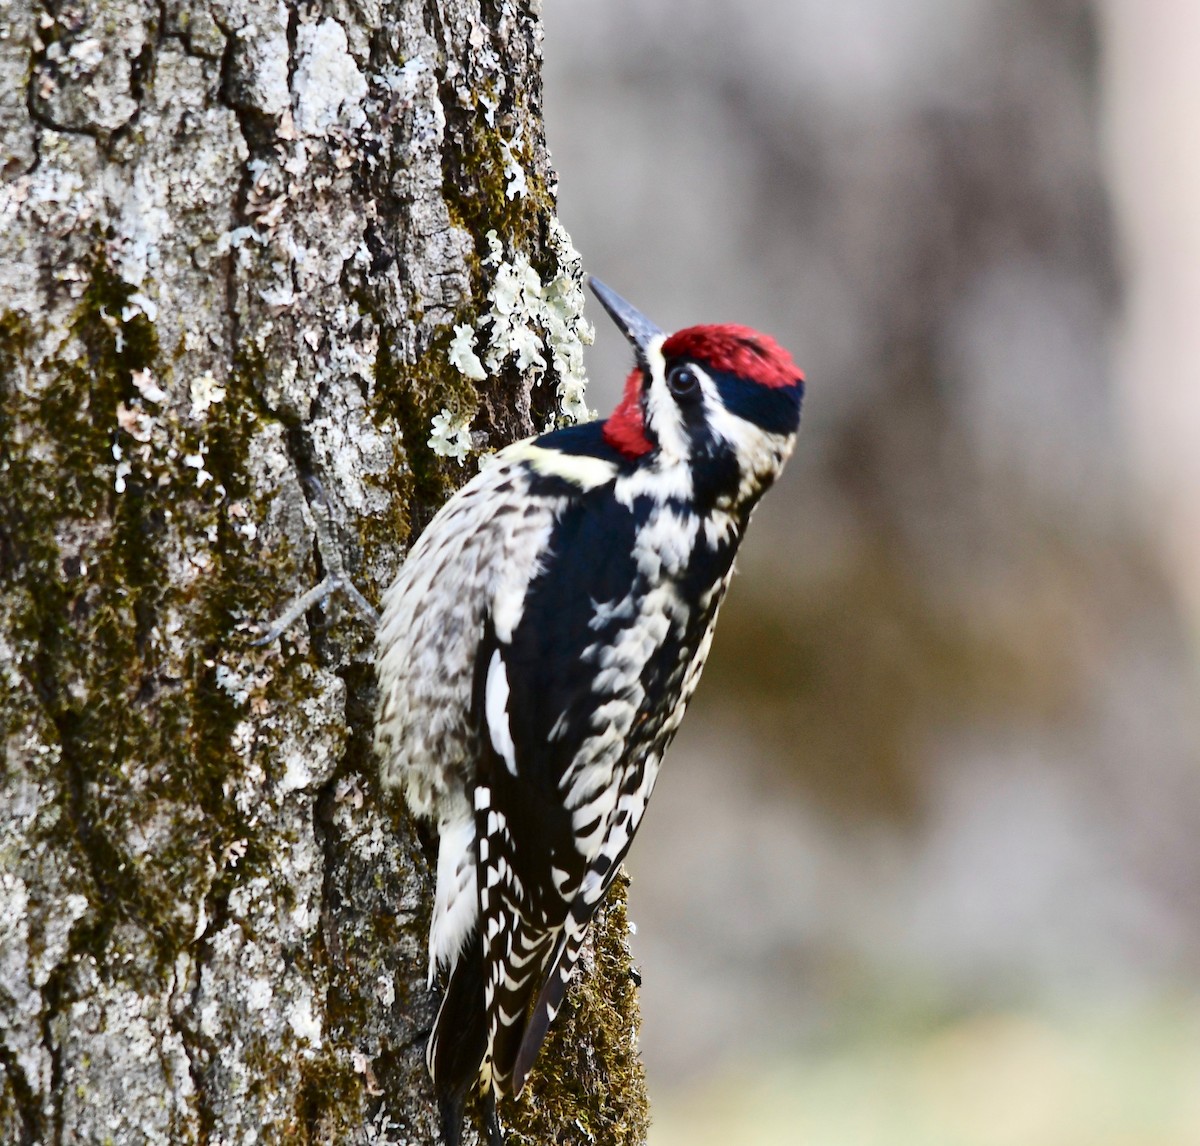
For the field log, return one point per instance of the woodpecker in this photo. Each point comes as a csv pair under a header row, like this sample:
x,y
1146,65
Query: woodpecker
x,y
535,656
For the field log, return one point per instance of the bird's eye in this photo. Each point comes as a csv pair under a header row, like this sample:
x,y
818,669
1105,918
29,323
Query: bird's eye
x,y
683,382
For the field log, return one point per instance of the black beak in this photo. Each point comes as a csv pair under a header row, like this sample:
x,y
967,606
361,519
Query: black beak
x,y
634,325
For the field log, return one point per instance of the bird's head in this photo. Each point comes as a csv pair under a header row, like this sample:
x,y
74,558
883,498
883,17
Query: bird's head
x,y
708,397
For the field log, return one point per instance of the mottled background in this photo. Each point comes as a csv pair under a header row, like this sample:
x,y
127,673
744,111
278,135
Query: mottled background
x,y
925,864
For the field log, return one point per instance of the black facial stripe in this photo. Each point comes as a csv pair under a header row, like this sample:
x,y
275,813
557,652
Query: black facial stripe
x,y
775,409
715,473
692,414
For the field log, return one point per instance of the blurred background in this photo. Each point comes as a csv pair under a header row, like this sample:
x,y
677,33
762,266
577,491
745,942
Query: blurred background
x,y
924,866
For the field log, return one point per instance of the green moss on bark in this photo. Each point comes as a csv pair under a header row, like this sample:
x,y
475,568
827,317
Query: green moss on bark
x,y
407,396
476,186
143,761
80,625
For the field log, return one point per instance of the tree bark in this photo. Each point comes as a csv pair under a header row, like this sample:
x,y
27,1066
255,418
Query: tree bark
x,y
254,260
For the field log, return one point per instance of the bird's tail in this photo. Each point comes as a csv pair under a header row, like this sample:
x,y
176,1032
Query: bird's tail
x,y
516,1057
459,1039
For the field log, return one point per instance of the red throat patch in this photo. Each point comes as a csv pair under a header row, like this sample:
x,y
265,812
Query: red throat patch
x,y
625,429
736,350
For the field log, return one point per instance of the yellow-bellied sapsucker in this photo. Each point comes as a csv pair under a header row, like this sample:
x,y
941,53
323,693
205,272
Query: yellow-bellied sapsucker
x,y
536,654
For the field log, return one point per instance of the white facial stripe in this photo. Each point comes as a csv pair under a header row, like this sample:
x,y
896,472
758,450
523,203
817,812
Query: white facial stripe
x,y
662,413
726,426
759,452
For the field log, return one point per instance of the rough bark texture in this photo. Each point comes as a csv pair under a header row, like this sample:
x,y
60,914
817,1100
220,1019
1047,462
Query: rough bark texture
x,y
234,243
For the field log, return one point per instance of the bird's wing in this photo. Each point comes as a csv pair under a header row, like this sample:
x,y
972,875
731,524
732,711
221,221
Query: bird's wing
x,y
559,789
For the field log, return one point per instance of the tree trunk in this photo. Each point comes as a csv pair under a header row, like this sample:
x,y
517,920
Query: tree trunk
x,y
235,245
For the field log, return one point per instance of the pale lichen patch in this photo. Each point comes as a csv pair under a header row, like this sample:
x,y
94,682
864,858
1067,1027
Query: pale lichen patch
x,y
205,392
329,88
451,436
462,354
515,183
527,317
